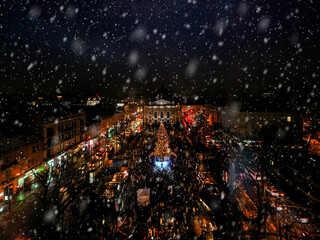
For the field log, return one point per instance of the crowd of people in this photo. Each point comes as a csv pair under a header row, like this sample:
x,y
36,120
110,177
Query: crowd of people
x,y
174,203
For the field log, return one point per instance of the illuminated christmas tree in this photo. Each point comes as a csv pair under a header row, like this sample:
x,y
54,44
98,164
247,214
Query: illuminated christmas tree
x,y
162,149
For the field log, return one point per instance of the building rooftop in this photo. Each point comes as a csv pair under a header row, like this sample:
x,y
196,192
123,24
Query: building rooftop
x,y
10,143
96,113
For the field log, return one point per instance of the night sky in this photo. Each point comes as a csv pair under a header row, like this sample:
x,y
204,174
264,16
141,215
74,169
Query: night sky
x,y
113,47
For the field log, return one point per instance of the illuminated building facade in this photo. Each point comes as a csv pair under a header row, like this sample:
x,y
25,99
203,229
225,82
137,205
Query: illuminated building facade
x,y
161,111
18,155
93,101
62,133
245,124
211,114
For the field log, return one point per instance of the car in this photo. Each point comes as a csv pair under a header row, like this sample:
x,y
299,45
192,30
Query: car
x,y
279,207
302,215
63,189
272,192
125,172
308,235
258,176
101,153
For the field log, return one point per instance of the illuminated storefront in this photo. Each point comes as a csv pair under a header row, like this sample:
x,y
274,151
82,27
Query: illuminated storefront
x,y
192,115
29,176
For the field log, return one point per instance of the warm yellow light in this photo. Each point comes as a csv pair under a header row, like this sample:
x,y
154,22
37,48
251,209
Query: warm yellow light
x,y
288,119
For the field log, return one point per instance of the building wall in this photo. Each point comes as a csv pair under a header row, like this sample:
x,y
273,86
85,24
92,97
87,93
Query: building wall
x,y
167,113
193,114
107,122
250,123
62,134
211,114
93,130
17,162
187,107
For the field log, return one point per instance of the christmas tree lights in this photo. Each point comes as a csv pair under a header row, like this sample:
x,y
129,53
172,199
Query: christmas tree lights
x,y
162,149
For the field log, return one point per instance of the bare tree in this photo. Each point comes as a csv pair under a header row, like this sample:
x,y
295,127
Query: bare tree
x,y
50,199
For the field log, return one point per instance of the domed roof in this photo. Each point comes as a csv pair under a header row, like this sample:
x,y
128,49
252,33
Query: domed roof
x,y
162,93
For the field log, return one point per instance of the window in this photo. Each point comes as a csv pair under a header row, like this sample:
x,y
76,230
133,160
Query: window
x,y
50,142
161,114
50,132
7,159
21,154
288,119
8,174
35,148
155,114
168,114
